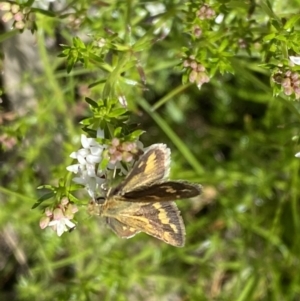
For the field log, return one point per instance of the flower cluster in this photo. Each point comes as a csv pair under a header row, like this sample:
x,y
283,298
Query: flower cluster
x,y
88,159
75,21
289,81
7,142
205,12
122,151
21,17
59,218
91,158
91,155
197,31
198,74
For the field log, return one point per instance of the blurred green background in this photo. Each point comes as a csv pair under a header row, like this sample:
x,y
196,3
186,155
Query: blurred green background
x,y
232,136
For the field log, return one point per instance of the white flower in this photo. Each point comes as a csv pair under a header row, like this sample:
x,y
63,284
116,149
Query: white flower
x,y
59,218
297,155
295,60
61,225
88,159
90,181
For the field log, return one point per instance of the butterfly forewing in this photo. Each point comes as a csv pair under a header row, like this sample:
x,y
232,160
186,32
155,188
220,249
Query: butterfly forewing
x,y
152,167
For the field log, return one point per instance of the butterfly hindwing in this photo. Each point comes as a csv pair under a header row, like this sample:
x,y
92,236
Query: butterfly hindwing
x,y
121,229
161,220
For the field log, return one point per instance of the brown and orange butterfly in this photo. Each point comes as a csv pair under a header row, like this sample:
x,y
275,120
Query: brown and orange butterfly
x,y
143,202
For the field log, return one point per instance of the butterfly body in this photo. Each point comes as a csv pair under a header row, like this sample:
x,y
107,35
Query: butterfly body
x,y
143,202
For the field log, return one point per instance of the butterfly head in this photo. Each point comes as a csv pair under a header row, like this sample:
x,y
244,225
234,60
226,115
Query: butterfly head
x,y
95,206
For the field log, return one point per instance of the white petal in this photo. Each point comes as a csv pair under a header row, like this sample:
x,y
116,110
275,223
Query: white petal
x,y
91,170
69,223
155,9
295,59
297,155
81,160
73,155
96,150
61,227
139,144
53,223
91,185
73,168
93,142
79,180
91,159
85,141
83,152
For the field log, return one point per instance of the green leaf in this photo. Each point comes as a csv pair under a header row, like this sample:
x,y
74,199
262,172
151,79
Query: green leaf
x,y
47,13
117,132
281,38
291,22
117,112
223,45
47,186
72,198
104,163
91,102
78,43
136,134
269,37
75,187
43,198
29,3
120,47
87,121
94,84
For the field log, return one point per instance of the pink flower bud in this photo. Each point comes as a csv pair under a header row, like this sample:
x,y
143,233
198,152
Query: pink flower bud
x,y
64,202
7,17
200,68
15,8
286,82
5,6
193,76
19,25
48,212
44,221
288,73
19,16
118,156
297,92
127,157
58,214
288,91
294,76
194,65
115,141
186,63
197,31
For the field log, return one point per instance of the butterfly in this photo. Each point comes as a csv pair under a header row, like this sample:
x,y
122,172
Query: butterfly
x,y
144,201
